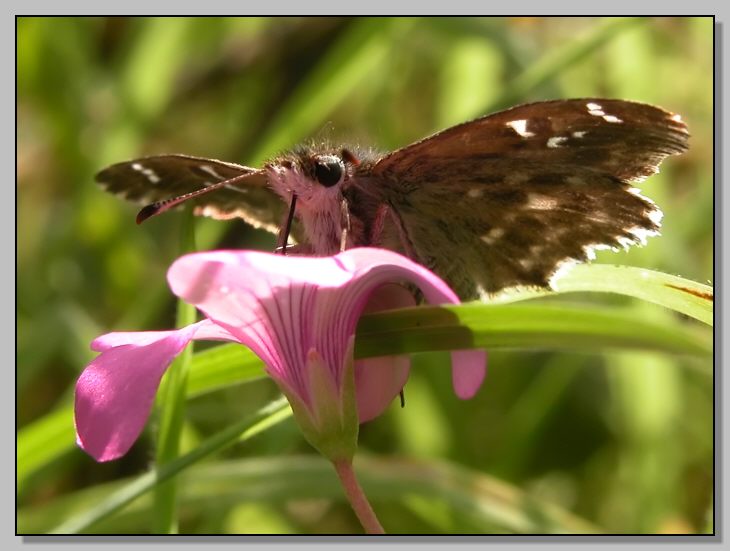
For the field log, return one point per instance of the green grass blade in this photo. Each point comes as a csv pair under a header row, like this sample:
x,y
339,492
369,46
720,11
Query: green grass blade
x,y
273,413
152,66
171,402
681,295
42,442
222,366
557,60
477,325
347,63
480,502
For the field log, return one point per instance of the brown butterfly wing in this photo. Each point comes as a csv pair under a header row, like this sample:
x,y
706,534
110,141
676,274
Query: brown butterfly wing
x,y
161,177
506,200
625,139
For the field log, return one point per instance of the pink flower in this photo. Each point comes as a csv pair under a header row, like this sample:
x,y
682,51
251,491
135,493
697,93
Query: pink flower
x,y
298,314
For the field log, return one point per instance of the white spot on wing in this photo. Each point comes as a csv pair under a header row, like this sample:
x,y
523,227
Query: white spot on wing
x,y
210,170
491,237
483,295
590,250
575,180
556,141
475,192
520,127
625,242
238,189
563,268
611,118
148,173
641,234
655,214
595,109
526,263
579,133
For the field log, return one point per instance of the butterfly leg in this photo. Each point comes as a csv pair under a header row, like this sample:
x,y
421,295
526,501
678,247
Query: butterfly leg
x,y
346,224
378,224
293,250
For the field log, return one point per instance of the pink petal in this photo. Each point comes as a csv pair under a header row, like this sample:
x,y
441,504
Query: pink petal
x,y
204,330
251,295
374,267
468,368
282,307
377,382
116,391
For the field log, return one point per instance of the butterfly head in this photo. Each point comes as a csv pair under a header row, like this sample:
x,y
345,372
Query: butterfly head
x,y
312,181
316,178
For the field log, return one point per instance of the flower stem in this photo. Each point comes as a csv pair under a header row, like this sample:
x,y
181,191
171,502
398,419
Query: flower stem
x,y
356,497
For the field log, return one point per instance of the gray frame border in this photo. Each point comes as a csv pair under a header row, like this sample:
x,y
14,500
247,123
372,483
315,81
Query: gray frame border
x,y
621,7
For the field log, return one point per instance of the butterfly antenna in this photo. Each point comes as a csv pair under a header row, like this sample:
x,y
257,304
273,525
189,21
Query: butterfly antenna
x,y
158,207
283,237
349,157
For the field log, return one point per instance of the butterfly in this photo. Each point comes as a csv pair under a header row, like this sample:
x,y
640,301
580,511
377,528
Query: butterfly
x,y
502,201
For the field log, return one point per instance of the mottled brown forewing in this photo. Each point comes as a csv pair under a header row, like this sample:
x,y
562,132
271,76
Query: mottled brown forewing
x,y
157,178
508,199
625,139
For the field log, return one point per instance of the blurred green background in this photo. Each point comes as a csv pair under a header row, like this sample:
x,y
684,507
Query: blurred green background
x,y
622,440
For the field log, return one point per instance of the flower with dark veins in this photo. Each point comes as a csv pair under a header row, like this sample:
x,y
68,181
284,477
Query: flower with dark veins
x,y
299,315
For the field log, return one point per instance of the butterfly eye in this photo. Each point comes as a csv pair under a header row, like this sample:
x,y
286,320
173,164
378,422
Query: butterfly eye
x,y
328,170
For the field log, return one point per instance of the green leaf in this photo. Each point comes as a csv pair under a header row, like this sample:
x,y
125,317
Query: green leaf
x,y
477,325
44,441
222,366
673,292
171,403
487,504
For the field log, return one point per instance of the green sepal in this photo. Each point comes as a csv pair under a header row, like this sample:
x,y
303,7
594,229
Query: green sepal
x,y
330,422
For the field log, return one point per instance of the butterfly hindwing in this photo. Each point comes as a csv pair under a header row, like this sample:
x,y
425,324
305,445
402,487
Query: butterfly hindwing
x,y
514,196
490,229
